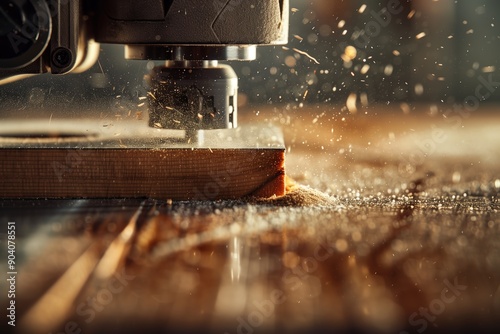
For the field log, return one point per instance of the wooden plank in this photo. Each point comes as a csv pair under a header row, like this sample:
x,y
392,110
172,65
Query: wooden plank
x,y
63,161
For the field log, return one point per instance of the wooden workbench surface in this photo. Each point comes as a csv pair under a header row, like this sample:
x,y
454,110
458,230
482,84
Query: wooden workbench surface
x,y
391,224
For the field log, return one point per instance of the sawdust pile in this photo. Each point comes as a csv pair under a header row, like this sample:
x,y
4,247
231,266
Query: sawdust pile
x,y
298,196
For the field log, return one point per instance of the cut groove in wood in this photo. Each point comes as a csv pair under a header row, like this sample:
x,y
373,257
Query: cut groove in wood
x,y
230,164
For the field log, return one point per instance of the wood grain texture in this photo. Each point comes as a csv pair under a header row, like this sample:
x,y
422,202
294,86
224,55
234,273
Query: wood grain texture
x,y
102,167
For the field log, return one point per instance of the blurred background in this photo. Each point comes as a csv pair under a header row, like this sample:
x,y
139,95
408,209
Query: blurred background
x,y
376,52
